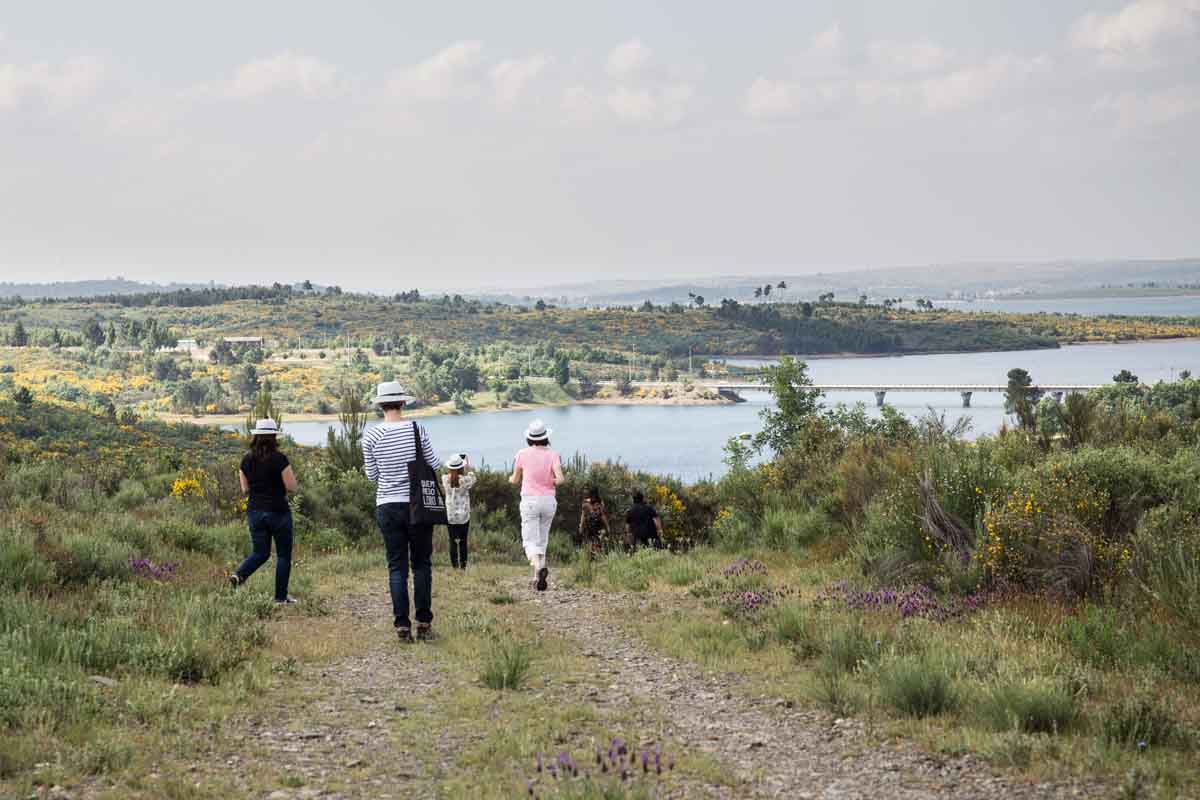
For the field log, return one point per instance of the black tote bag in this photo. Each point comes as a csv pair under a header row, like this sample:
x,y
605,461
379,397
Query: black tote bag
x,y
426,503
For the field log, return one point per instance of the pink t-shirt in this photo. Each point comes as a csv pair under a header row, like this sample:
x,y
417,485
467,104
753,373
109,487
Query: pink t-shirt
x,y
537,471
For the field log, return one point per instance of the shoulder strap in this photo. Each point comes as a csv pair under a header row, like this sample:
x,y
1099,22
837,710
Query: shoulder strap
x,y
417,443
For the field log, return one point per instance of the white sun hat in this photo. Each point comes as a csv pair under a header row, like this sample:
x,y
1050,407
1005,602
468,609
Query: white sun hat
x,y
537,431
265,427
392,392
455,462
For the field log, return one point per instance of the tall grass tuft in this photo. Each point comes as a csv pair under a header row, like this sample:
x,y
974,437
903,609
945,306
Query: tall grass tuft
x,y
919,686
506,664
1038,705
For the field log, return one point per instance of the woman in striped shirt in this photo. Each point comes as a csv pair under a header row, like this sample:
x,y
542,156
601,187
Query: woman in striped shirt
x,y
387,450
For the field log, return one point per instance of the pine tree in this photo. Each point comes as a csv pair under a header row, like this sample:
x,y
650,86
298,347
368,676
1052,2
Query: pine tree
x,y
20,337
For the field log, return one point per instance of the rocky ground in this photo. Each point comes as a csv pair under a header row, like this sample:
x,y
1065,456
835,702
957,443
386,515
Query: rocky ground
x,y
367,724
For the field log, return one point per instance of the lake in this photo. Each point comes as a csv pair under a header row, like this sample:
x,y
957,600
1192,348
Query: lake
x,y
1172,306
687,441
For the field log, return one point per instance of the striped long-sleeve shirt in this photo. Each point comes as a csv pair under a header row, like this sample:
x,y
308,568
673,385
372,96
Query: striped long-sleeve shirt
x,y
387,449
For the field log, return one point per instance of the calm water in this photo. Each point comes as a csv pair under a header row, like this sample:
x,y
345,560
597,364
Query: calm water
x,y
687,441
1187,306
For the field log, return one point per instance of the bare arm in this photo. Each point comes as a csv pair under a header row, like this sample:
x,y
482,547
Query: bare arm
x,y
289,479
559,478
245,483
515,478
658,526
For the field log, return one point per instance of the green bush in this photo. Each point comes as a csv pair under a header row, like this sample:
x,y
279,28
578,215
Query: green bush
x,y
132,494
506,664
1037,705
794,625
919,686
1144,719
1166,561
785,529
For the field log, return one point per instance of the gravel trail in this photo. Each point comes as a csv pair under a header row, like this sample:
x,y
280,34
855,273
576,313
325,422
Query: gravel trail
x,y
777,749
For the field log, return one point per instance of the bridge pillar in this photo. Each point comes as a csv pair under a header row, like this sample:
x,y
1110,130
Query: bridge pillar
x,y
879,397
1058,396
966,396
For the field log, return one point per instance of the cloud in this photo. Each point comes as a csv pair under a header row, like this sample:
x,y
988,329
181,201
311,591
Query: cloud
x,y
58,86
1146,110
907,57
439,75
581,105
828,41
283,72
667,105
768,99
633,105
510,77
970,84
627,59
1139,26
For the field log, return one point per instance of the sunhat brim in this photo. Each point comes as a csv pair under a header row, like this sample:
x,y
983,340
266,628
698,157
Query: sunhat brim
x,y
540,436
393,398
265,432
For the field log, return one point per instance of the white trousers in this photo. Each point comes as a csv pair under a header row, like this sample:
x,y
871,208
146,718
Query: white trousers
x,y
536,515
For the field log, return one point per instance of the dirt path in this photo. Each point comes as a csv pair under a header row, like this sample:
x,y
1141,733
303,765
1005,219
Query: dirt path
x,y
779,751
335,731
373,724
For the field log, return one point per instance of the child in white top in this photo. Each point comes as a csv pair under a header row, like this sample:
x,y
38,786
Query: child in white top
x,y
457,483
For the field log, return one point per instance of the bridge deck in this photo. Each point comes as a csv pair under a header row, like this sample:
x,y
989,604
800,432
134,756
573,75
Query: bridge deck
x,y
914,387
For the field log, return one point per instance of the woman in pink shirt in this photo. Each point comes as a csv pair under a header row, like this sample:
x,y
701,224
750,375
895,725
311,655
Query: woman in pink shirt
x,y
537,470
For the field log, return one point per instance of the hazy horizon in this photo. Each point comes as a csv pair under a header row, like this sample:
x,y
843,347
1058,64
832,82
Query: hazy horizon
x,y
487,147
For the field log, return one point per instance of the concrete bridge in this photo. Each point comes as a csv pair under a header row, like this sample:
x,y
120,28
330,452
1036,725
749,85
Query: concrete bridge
x,y
880,390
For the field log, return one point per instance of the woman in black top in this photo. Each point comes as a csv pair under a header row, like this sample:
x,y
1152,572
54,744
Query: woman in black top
x,y
266,478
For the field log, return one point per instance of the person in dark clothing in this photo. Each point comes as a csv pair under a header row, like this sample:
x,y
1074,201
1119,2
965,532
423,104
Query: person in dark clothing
x,y
644,524
266,477
593,523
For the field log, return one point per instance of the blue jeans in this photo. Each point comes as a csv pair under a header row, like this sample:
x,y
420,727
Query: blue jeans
x,y
407,544
265,526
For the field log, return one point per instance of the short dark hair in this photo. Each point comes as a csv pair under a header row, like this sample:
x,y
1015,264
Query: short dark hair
x,y
593,493
538,443
638,497
397,406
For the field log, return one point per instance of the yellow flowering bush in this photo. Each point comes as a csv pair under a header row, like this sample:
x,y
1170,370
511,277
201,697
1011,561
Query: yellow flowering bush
x,y
189,486
671,510
1051,535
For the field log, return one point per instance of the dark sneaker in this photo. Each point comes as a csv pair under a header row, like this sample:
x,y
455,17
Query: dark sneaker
x,y
543,576
287,601
405,635
424,633
235,581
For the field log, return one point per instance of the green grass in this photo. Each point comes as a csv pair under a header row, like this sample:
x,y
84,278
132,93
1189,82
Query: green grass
x,y
918,686
506,664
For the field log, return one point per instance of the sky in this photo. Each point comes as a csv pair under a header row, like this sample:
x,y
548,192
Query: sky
x,y
385,145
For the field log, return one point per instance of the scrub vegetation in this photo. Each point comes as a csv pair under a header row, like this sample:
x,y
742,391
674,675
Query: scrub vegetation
x,y
1028,596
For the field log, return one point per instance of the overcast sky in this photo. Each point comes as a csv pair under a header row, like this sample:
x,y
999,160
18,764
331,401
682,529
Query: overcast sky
x,y
394,144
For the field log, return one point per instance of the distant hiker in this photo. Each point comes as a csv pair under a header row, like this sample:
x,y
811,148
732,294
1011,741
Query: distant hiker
x,y
458,482
387,450
593,523
266,477
644,524
538,471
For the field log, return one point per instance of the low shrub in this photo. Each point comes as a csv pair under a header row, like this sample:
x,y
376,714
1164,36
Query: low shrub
x,y
1037,705
1166,561
1143,719
786,529
506,664
919,686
